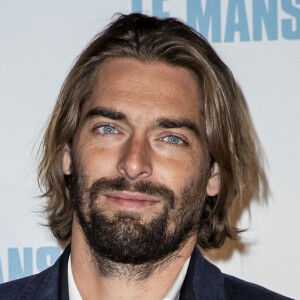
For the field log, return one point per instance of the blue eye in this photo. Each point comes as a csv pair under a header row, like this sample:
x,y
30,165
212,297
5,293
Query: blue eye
x,y
107,129
174,140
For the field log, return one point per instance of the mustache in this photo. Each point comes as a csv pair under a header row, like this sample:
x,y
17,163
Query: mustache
x,y
121,184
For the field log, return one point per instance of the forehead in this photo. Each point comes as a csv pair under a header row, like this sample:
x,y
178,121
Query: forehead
x,y
148,90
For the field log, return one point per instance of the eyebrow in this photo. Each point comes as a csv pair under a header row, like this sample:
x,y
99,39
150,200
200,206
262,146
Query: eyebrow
x,y
161,122
170,123
105,112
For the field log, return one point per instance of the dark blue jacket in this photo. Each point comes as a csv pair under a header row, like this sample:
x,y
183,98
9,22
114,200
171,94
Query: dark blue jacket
x,y
204,281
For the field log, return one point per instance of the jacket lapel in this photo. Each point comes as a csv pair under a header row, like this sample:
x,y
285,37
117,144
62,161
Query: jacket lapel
x,y
203,281
63,285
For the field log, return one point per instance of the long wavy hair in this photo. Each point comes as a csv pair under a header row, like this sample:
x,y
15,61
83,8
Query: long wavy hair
x,y
229,133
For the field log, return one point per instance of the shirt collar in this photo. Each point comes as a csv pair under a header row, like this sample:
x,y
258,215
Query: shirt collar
x,y
173,293
73,290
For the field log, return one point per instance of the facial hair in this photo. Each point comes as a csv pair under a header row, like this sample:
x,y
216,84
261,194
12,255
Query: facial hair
x,y
124,239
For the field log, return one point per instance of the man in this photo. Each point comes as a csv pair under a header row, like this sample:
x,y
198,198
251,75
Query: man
x,y
149,143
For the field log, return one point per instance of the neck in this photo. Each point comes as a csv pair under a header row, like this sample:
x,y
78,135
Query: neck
x,y
145,281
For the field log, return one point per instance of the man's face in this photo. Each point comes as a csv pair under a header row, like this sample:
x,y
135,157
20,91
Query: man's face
x,y
139,167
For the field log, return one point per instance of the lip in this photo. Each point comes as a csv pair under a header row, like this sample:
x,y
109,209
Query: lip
x,y
131,200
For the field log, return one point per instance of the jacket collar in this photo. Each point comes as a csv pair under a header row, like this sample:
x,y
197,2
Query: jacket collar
x,y
63,275
203,280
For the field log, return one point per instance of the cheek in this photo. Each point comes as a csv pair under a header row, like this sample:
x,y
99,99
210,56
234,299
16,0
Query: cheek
x,y
175,174
98,163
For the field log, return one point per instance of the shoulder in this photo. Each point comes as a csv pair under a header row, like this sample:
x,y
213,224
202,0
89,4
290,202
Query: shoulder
x,y
40,286
210,283
236,288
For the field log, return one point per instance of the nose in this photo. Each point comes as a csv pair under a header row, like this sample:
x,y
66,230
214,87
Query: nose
x,y
135,161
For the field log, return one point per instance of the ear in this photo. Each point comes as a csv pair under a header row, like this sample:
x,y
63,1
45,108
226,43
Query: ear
x,y
213,184
66,160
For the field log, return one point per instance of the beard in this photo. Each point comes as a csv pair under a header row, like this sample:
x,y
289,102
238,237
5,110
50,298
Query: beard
x,y
124,238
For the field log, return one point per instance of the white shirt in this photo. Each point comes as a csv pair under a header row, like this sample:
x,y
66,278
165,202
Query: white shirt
x,y
173,293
